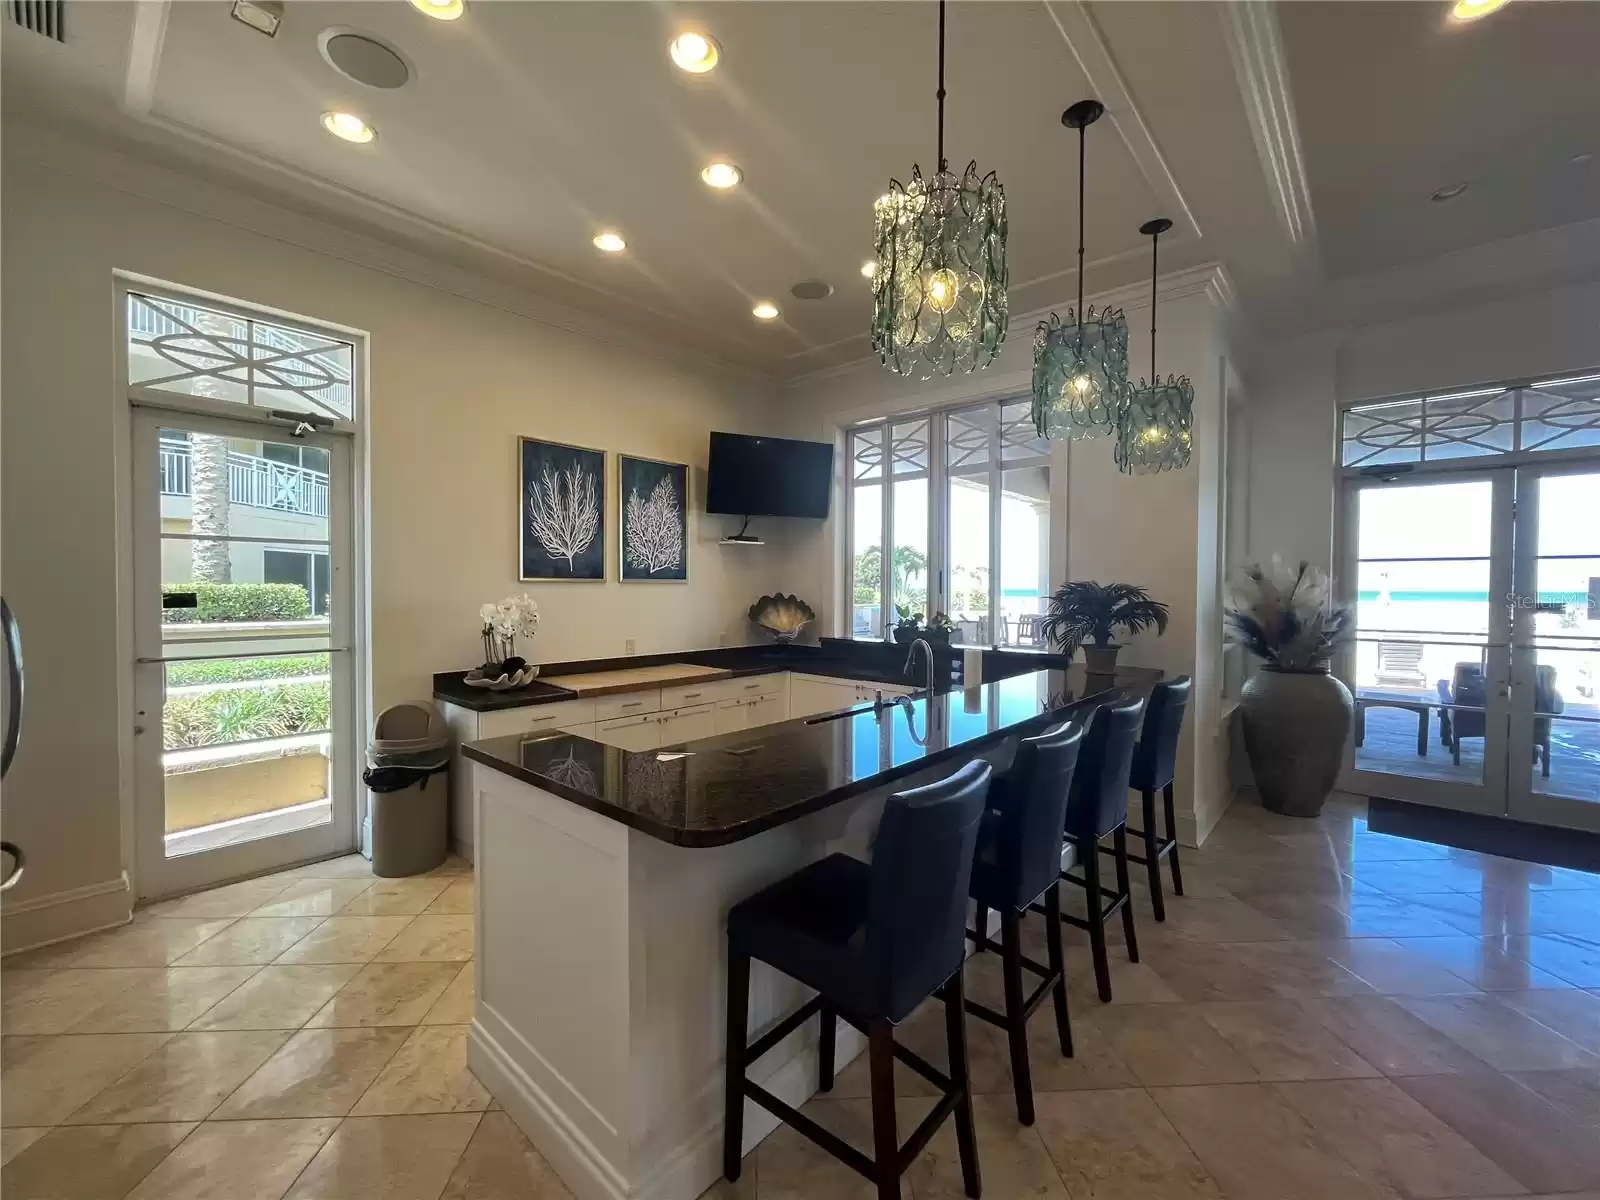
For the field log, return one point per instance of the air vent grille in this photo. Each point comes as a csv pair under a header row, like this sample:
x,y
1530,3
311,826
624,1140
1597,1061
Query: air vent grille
x,y
47,17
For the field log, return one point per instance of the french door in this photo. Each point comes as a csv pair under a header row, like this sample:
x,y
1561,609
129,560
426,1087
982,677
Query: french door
x,y
1477,653
244,694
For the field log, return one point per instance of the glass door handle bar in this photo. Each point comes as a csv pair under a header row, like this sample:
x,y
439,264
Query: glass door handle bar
x,y
244,654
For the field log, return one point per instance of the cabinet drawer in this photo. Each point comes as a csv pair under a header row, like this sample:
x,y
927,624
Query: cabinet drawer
x,y
761,685
688,695
630,733
627,704
535,718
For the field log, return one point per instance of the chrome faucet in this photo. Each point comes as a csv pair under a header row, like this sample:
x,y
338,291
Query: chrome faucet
x,y
911,658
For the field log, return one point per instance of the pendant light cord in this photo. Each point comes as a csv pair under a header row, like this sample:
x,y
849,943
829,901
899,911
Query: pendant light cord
x,y
941,86
1082,141
1155,243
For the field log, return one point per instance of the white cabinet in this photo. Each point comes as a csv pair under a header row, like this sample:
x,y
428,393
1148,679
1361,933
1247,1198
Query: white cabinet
x,y
687,724
733,715
810,694
630,733
765,710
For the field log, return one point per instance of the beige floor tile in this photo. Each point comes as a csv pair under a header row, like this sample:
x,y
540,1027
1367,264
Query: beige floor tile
x,y
1219,920
1011,1157
152,943
40,1002
1575,1092
169,999
791,1167
427,1075
14,1141
316,1073
453,865
92,1162
1116,1145
500,1162
1280,1040
1202,971
456,1006
1389,1037
458,898
396,898
347,866
250,941
432,939
233,900
182,1081
345,940
1392,969
1132,983
1392,1139
1481,964
924,1033
398,1158
1537,1144
43,1079
313,898
1298,970
1567,958
278,998
1572,1013
1171,1044
1095,1062
387,994
1258,1148
1501,1036
236,1160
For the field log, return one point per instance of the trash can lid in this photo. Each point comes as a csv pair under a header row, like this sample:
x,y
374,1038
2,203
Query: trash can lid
x,y
409,728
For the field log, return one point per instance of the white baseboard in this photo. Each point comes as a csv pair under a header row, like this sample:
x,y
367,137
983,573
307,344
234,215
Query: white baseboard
x,y
57,916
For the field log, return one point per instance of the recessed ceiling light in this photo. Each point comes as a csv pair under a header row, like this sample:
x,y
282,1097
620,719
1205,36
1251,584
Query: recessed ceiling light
x,y
766,310
869,268
695,52
722,175
441,10
264,16
1440,195
348,126
610,242
1472,10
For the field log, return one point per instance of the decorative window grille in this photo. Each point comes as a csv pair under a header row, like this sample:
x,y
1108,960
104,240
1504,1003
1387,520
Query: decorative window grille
x,y
1554,414
223,356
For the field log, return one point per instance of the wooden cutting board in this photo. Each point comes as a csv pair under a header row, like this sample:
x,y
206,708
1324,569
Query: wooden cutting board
x,y
601,683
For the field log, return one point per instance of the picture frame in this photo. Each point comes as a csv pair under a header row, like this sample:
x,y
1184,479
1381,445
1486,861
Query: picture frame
x,y
652,520
562,512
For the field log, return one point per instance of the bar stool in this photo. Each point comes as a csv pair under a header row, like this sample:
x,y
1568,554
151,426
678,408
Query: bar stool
x,y
875,942
1155,762
1018,865
1098,807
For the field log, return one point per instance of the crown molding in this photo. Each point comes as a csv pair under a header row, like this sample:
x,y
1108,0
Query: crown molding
x,y
144,56
1255,45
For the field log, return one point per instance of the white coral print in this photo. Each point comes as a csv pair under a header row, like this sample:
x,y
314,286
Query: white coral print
x,y
564,511
653,530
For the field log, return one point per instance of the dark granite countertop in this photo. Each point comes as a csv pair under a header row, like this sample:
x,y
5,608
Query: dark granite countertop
x,y
730,787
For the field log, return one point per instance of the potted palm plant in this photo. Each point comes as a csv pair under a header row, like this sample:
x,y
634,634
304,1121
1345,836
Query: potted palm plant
x,y
1296,716
1085,613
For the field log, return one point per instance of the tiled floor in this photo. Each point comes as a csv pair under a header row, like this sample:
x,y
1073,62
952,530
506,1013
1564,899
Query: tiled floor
x,y
1329,1012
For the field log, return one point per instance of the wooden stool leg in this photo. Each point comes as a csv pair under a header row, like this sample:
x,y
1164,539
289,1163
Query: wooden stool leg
x,y
955,1026
1152,856
734,1053
885,1140
1016,1018
1058,964
1172,833
1119,839
825,1048
1094,909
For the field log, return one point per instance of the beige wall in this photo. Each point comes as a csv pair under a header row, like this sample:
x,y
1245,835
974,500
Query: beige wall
x,y
459,368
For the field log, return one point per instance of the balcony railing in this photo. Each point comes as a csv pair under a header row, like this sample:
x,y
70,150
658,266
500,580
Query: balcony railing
x,y
252,481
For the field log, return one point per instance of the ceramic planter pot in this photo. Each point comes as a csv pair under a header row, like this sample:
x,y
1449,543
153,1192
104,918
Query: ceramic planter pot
x,y
1100,660
1295,727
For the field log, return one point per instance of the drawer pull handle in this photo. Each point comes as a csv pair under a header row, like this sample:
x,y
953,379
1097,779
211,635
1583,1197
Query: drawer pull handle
x,y
691,695
635,704
750,687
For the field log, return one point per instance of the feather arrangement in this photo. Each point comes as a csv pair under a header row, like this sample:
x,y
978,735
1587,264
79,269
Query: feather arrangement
x,y
1286,616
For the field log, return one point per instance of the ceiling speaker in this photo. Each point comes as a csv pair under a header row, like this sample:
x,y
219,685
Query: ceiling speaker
x,y
362,57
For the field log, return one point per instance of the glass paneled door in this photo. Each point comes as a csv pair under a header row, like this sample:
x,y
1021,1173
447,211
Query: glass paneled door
x,y
1554,750
243,679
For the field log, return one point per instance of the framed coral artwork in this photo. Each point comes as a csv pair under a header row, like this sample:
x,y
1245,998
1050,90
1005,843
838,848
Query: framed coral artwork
x,y
562,507
653,521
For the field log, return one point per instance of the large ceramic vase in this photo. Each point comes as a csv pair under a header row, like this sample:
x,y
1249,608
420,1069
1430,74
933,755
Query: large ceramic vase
x,y
1295,727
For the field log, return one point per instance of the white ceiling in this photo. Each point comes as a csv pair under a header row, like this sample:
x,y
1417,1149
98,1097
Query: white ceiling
x,y
529,126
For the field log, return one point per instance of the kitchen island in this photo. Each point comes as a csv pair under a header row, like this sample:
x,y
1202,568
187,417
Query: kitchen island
x,y
604,879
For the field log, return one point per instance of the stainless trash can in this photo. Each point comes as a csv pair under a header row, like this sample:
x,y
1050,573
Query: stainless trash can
x,y
408,778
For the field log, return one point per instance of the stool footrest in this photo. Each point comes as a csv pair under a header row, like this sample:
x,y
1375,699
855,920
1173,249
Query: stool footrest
x,y
783,1029
826,1138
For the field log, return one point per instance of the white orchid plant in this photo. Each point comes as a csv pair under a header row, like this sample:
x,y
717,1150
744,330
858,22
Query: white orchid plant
x,y
1286,616
503,623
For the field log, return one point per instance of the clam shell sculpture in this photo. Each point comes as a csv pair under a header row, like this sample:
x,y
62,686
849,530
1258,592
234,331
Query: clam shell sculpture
x,y
784,616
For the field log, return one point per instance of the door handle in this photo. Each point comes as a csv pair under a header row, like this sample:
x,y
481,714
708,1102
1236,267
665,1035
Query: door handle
x,y
18,860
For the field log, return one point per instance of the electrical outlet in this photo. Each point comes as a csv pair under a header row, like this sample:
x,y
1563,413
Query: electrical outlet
x,y
628,647
722,639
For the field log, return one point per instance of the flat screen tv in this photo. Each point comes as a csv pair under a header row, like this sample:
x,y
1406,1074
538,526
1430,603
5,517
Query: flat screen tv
x,y
768,477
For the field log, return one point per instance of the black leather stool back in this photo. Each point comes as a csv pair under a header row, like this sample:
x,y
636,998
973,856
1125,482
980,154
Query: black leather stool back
x,y
1155,760
1099,799
1030,800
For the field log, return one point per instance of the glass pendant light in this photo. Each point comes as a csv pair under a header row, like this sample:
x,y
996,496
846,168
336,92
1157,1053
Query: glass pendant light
x,y
1153,433
1080,365
939,282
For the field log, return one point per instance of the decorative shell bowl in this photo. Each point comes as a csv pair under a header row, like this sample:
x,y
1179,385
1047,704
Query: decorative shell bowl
x,y
783,616
502,683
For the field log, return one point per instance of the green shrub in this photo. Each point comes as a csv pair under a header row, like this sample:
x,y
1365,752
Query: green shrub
x,y
234,670
245,713
239,602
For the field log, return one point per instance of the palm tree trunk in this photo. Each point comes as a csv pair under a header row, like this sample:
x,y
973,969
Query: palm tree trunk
x,y
208,482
